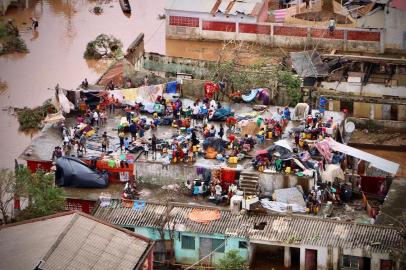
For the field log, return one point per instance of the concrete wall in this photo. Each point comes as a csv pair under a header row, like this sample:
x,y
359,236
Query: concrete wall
x,y
270,182
162,63
188,256
389,124
395,28
371,89
151,172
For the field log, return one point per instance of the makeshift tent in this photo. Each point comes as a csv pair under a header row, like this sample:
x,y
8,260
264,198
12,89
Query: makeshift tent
x,y
281,151
301,111
375,161
290,196
251,96
140,94
264,96
72,172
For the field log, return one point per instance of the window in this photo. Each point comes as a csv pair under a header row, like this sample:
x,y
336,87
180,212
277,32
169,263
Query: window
x,y
188,242
351,262
129,228
218,245
242,244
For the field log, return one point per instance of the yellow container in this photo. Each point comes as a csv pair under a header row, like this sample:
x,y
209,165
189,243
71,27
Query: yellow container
x,y
288,170
232,160
309,136
194,148
301,143
261,168
320,137
269,135
174,160
230,146
304,135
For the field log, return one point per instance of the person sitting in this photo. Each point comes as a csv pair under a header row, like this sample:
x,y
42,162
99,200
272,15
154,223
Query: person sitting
x,y
85,84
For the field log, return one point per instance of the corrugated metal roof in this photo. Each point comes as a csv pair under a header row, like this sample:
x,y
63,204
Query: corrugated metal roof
x,y
190,5
70,240
279,228
319,232
229,223
150,216
309,64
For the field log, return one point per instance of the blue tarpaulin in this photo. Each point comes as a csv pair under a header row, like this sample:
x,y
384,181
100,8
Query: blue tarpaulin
x,y
251,96
171,87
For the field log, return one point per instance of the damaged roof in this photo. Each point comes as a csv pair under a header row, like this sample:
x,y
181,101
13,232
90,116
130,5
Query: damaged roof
x,y
70,240
227,7
295,229
204,6
309,64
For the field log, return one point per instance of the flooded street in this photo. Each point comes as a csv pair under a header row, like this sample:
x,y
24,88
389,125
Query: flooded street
x,y
56,53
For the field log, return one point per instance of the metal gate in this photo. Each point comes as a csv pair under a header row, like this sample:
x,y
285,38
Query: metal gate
x,y
205,249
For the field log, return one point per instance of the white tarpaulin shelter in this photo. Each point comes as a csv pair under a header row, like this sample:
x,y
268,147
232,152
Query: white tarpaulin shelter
x,y
377,162
285,144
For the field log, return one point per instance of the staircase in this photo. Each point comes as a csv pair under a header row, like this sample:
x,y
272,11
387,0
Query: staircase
x,y
249,183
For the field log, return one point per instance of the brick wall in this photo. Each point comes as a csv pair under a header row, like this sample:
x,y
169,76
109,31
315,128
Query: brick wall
x,y
364,36
255,29
184,21
290,31
219,26
325,33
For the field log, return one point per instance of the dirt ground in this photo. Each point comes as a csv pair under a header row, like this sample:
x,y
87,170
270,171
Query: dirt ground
x,y
379,137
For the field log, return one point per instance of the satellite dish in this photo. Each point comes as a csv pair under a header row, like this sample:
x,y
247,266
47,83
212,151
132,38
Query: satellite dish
x,y
349,127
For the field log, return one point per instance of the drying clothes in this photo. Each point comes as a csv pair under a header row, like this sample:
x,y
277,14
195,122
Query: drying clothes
x,y
171,87
324,149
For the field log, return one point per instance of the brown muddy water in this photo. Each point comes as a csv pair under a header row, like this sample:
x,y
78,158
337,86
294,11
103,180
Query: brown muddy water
x,y
56,53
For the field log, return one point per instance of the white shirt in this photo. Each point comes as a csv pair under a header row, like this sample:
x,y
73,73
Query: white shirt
x,y
95,115
196,110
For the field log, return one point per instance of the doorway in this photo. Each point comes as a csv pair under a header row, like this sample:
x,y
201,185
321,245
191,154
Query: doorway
x,y
311,259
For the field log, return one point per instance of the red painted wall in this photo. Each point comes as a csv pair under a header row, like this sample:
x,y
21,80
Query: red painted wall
x,y
184,21
219,26
364,36
255,29
290,31
44,165
325,33
85,206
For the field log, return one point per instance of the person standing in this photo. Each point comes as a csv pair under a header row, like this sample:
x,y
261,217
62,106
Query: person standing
x,y
96,118
221,132
121,138
34,23
146,149
105,142
195,114
82,143
153,144
112,102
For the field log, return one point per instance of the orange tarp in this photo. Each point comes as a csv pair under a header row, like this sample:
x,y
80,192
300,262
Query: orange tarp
x,y
204,216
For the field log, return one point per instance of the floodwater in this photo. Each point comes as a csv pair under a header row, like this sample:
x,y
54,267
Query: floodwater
x,y
56,53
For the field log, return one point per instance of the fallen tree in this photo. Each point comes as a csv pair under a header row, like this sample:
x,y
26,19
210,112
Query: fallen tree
x,y
104,46
32,118
10,40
